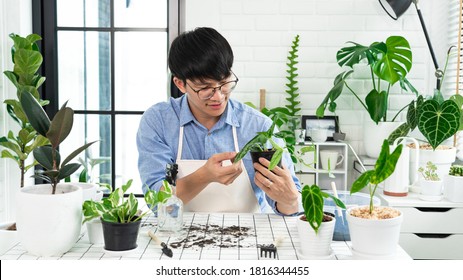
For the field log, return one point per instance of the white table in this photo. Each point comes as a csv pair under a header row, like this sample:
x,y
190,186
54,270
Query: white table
x,y
229,236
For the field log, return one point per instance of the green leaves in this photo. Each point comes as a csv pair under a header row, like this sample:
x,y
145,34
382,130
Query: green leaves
x,y
437,122
389,61
384,167
312,202
35,113
61,126
377,104
396,62
116,209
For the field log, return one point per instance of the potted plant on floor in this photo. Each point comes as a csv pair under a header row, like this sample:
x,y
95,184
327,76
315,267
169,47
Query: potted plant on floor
x,y
121,216
389,62
316,227
430,184
375,230
453,184
18,145
49,215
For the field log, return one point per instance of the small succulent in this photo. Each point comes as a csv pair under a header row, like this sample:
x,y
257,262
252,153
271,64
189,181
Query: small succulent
x,y
429,172
456,170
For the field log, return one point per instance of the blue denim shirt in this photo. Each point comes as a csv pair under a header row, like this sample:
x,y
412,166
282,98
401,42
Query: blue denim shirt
x,y
158,133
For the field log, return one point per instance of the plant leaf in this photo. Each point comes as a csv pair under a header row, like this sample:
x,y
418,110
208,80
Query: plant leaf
x,y
68,170
361,181
396,62
35,113
377,104
312,202
439,122
44,155
76,152
60,126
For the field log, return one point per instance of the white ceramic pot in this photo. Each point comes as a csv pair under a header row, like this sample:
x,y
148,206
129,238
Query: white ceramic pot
x,y
8,238
374,239
95,231
315,245
374,135
49,224
443,159
398,183
431,187
453,188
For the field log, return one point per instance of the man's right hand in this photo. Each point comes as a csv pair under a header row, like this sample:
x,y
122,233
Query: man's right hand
x,y
219,168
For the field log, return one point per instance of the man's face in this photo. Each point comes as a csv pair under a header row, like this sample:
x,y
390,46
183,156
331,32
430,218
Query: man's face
x,y
209,98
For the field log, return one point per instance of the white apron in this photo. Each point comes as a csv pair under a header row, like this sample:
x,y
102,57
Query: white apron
x,y
216,197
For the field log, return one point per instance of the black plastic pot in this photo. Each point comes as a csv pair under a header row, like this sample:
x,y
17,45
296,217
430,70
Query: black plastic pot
x,y
266,154
120,237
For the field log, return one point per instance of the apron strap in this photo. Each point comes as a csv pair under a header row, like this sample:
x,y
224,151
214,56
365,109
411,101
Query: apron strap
x,y
180,144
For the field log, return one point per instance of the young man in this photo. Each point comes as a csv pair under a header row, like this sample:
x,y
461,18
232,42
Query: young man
x,y
204,129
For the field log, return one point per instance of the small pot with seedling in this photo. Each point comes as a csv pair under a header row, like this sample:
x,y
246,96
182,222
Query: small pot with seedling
x,y
375,230
121,217
259,146
431,183
453,184
314,226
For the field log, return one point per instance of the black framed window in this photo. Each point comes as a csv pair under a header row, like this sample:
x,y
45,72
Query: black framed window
x,y
108,59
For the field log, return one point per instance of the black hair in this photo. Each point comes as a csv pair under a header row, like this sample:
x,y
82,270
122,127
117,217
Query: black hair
x,y
201,54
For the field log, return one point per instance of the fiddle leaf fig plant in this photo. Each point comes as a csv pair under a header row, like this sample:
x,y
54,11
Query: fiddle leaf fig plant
x,y
117,209
313,202
389,63
27,60
384,167
54,169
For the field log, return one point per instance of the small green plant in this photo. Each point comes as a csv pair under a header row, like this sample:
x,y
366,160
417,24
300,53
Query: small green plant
x,y
117,209
313,202
55,131
384,167
429,172
456,170
259,144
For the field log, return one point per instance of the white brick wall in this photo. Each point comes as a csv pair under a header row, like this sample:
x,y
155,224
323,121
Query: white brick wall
x,y
261,31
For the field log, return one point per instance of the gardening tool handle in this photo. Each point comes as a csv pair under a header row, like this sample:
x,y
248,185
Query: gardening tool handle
x,y
154,237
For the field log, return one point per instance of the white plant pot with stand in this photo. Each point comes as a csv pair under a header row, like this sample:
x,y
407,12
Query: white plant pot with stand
x,y
315,246
431,190
374,239
399,182
49,224
442,158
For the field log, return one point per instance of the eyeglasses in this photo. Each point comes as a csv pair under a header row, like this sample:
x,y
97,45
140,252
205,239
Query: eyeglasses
x,y
207,92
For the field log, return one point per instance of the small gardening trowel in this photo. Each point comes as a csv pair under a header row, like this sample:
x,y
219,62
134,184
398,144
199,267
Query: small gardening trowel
x,y
166,250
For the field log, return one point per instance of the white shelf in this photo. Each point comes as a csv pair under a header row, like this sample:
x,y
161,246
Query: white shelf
x,y
430,230
316,175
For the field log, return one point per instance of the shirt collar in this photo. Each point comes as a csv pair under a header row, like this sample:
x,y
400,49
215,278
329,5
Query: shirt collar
x,y
229,116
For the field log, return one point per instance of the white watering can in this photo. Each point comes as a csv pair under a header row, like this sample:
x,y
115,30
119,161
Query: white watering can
x,y
399,182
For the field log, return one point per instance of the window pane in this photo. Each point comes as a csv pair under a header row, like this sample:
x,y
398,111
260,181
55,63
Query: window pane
x,y
140,69
84,69
140,13
81,13
88,128
126,151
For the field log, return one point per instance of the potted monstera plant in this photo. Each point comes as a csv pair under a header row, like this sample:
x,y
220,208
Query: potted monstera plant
x,y
389,62
314,226
375,230
49,215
